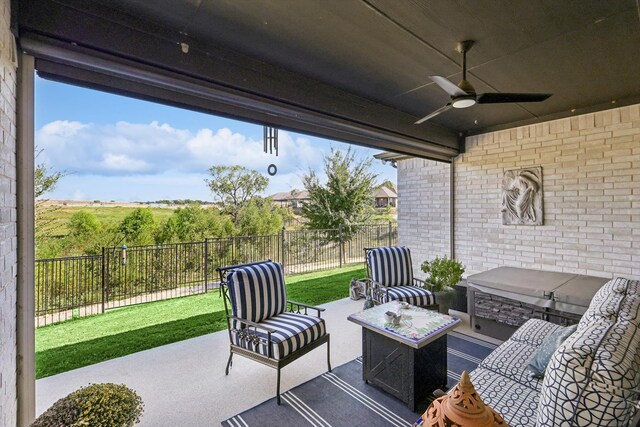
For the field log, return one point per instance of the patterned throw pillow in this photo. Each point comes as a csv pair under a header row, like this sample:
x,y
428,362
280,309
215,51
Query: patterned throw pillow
x,y
538,363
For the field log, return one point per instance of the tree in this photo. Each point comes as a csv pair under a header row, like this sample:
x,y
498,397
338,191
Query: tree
x,y
86,234
260,217
234,186
346,199
83,224
138,227
194,223
388,184
45,181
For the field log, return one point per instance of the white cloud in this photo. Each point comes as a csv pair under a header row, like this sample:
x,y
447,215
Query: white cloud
x,y
154,148
63,128
150,161
122,162
224,147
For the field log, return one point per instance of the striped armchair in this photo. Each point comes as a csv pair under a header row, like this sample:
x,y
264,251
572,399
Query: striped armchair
x,y
391,275
263,325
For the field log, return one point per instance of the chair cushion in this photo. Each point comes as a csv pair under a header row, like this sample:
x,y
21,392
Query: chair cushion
x,y
257,291
615,304
517,403
391,266
510,359
411,294
538,363
293,331
534,331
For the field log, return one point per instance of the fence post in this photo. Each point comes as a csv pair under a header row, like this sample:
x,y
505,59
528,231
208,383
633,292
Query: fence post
x,y
282,246
233,251
390,243
104,277
206,264
341,251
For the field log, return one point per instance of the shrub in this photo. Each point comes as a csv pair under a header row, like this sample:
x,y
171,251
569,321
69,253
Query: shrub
x,y
104,405
138,227
83,224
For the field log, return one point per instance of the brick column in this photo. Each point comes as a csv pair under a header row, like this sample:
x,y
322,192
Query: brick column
x,y
424,210
8,222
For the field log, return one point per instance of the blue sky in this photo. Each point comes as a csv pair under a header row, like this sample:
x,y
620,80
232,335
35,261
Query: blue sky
x,y
124,149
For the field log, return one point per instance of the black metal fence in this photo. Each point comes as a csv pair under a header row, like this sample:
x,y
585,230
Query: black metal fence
x,y
84,285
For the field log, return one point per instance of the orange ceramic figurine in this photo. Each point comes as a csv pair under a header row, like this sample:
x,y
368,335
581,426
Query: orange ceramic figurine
x,y
462,407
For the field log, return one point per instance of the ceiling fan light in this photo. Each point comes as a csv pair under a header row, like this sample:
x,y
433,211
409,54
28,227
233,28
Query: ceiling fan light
x,y
463,101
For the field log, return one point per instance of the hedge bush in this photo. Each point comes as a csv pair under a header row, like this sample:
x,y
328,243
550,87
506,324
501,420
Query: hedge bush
x,y
100,405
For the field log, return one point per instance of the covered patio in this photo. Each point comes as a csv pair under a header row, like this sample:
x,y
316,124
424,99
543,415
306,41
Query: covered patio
x,y
184,383
360,72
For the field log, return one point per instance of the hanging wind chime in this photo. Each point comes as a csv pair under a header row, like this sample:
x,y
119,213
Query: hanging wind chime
x,y
270,145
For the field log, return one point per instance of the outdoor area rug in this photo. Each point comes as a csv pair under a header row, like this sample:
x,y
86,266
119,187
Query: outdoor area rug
x,y
341,398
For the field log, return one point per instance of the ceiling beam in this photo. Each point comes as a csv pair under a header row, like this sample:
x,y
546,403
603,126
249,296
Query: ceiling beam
x,y
224,82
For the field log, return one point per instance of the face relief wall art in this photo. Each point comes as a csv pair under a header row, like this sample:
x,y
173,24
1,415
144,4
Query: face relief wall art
x,y
522,197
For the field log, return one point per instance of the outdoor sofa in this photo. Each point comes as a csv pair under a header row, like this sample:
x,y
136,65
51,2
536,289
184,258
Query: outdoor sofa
x,y
592,379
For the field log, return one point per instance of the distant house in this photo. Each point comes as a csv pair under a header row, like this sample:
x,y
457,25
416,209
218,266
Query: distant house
x,y
385,196
292,199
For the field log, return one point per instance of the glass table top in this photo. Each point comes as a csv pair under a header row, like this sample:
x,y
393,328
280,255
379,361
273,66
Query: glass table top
x,y
417,326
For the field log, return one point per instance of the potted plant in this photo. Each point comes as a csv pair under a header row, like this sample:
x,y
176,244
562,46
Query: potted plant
x,y
444,273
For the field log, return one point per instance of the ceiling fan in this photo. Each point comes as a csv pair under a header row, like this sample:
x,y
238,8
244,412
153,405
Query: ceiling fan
x,y
463,95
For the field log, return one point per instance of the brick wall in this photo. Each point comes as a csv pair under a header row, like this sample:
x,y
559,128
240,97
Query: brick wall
x,y
591,180
8,232
423,209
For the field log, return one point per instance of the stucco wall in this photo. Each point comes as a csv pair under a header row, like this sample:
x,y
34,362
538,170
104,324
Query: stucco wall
x,y
8,228
591,178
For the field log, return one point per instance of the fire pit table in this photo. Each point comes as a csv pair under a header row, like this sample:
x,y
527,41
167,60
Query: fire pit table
x,y
407,360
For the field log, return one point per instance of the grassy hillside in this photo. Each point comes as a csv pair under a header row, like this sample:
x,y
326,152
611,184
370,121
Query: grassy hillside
x,y
107,215
54,239
112,214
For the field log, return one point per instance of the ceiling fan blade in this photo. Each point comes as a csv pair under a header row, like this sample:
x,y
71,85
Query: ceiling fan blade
x,y
449,87
499,98
435,113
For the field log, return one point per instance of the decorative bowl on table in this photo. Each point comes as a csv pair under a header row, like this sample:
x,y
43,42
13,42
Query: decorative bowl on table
x,y
392,317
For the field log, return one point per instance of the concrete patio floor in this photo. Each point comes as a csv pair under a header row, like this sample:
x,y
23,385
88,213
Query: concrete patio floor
x,y
183,384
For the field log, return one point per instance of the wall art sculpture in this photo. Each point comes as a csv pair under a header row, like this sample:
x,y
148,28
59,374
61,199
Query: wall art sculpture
x,y
522,197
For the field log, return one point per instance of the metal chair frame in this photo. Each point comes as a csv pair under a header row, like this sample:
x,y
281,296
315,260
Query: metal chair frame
x,y
249,329
380,293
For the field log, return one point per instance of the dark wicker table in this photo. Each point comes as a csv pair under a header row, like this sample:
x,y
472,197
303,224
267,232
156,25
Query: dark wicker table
x,y
408,361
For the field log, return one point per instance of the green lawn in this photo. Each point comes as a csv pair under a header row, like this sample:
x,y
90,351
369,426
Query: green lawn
x,y
85,341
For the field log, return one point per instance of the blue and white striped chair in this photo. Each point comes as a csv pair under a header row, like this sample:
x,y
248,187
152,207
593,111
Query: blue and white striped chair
x,y
391,275
260,327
